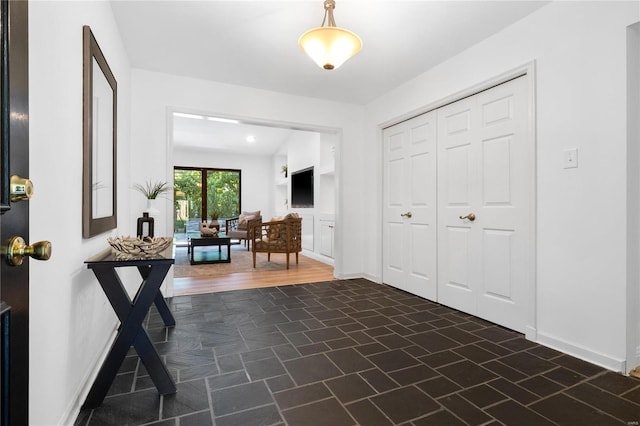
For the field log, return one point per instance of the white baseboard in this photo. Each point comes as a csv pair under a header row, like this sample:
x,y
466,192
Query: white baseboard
x,y
319,257
73,409
585,354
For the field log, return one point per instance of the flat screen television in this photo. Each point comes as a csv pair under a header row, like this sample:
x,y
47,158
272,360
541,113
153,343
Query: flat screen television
x,y
302,188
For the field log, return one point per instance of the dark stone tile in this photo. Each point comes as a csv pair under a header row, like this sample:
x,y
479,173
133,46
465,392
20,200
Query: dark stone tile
x,y
325,334
349,361
544,352
131,408
314,348
378,331
361,337
280,383
297,314
565,410
328,314
121,384
514,391
298,339
301,395
581,367
311,369
227,380
439,418
264,369
614,382
459,335
475,353
285,352
620,408
202,418
389,311
328,412
345,342
424,316
564,376
482,395
393,341
495,334
404,404
197,372
633,395
292,327
518,344
240,398
376,321
336,322
367,414
257,355
512,413
228,363
415,351
441,358
466,374
540,385
348,328
190,358
265,340
463,409
393,360
380,381
413,374
433,341
190,397
526,363
400,330
267,415
494,348
349,388
504,371
438,386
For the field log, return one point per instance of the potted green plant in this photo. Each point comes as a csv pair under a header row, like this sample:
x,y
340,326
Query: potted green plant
x,y
214,220
152,190
285,170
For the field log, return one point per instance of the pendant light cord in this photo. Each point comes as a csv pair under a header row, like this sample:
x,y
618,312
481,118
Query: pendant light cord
x,y
329,6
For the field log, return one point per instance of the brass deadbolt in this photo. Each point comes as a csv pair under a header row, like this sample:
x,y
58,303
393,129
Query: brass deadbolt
x,y
17,249
21,188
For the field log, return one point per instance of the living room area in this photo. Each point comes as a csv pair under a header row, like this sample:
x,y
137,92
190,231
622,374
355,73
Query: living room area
x,y
225,169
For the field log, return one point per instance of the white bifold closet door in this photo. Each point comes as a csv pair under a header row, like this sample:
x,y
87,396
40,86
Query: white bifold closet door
x,y
469,188
409,236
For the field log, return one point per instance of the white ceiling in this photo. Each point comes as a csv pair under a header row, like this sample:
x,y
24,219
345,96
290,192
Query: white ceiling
x,y
255,43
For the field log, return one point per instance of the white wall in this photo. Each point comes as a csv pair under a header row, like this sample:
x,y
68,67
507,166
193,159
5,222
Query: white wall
x,y
580,54
256,174
154,94
71,321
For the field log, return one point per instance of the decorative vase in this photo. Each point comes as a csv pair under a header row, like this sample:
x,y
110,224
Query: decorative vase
x,y
151,207
141,222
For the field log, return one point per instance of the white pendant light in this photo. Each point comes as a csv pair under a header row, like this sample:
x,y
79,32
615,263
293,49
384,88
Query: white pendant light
x,y
330,46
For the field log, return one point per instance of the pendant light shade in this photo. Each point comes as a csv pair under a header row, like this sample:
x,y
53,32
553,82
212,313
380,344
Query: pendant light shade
x,y
330,46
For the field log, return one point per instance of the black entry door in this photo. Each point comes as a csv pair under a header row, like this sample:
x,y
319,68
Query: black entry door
x,y
14,221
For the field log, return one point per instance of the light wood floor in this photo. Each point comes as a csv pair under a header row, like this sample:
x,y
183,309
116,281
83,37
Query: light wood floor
x,y
312,272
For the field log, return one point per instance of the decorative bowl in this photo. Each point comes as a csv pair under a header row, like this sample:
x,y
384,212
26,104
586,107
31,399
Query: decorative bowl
x,y
139,246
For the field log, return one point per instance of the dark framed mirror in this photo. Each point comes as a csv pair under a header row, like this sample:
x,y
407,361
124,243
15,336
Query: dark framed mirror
x,y
100,96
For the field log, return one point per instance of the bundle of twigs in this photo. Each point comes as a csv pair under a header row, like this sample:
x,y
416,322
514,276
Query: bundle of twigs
x,y
139,246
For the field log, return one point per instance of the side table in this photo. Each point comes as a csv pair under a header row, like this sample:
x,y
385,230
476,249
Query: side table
x,y
131,314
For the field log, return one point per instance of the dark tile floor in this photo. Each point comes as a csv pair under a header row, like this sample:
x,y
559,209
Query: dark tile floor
x,y
354,352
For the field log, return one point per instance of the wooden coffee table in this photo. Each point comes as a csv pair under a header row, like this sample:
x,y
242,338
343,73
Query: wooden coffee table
x,y
209,256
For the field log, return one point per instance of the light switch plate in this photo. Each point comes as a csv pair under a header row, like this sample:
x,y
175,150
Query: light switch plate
x,y
571,158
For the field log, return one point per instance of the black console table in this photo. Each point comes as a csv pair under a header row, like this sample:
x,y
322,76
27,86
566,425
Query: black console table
x,y
153,270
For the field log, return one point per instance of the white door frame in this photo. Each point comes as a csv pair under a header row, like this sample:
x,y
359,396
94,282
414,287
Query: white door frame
x,y
528,70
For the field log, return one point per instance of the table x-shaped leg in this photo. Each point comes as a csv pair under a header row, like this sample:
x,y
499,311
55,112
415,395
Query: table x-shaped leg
x,y
131,331
161,304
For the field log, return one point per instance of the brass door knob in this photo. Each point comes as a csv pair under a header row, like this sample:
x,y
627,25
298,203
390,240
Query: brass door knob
x,y
21,188
407,214
17,249
470,216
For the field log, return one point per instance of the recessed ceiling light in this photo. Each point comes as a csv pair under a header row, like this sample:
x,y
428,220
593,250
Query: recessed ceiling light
x,y
251,139
223,120
183,115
